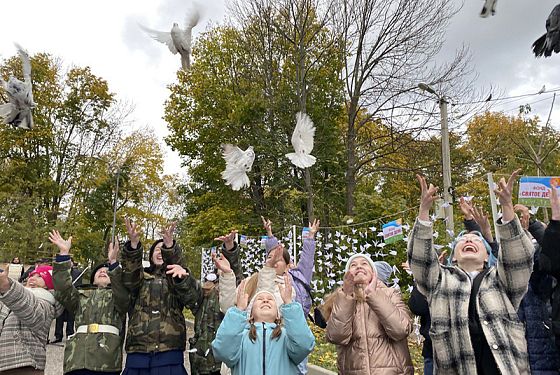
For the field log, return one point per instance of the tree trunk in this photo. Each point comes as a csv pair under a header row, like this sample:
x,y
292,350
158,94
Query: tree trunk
x,y
351,159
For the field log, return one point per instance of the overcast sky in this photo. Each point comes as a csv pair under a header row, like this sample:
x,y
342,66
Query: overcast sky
x,y
103,34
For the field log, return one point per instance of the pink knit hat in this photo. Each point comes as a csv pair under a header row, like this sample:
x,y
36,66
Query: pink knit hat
x,y
46,274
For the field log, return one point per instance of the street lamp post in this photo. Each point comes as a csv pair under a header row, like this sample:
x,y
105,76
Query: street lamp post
x,y
446,158
115,206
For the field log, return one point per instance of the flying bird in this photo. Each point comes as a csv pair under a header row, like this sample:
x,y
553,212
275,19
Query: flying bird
x,y
488,8
302,141
17,111
551,40
178,40
238,163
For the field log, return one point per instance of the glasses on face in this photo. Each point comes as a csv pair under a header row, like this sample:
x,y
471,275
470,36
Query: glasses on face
x,y
470,238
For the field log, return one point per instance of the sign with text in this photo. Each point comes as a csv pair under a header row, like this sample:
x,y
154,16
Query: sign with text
x,y
535,191
393,231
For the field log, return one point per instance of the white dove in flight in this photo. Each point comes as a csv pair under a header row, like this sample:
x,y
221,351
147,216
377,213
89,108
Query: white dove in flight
x,y
17,111
488,8
302,141
238,163
178,40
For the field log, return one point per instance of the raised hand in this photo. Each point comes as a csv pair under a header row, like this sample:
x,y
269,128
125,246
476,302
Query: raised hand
x,y
242,297
267,224
133,231
441,257
481,218
286,289
176,270
554,201
313,228
113,251
466,208
348,284
427,198
372,286
167,233
504,193
221,263
62,244
405,266
228,239
525,215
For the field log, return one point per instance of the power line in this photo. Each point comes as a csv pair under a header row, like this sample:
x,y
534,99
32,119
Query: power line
x,y
508,97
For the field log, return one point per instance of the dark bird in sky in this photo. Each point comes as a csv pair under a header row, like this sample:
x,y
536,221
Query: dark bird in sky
x,y
551,40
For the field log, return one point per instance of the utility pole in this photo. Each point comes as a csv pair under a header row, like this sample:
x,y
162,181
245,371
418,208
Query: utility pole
x,y
446,159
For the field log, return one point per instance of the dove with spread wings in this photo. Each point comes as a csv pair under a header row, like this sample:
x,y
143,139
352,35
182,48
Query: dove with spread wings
x,y
17,111
302,141
238,163
178,40
550,41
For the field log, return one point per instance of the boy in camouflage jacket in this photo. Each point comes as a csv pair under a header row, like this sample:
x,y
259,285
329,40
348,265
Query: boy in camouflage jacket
x,y
156,336
99,310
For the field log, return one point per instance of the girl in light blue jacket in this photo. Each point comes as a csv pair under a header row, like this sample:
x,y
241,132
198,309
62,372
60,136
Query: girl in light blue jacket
x,y
264,339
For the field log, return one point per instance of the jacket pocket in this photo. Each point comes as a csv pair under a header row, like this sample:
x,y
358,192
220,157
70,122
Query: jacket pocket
x,y
444,355
516,332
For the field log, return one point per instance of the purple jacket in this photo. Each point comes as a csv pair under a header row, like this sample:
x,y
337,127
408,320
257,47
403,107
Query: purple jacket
x,y
303,273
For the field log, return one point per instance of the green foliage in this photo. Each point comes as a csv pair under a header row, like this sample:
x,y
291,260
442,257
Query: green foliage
x,y
236,93
62,173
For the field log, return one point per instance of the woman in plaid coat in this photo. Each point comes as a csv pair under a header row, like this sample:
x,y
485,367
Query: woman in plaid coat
x,y
475,328
26,314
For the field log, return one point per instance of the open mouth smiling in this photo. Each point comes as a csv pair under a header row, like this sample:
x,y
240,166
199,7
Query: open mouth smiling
x,y
470,249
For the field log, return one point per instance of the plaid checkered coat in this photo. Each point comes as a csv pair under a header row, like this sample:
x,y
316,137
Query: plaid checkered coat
x,y
448,291
25,320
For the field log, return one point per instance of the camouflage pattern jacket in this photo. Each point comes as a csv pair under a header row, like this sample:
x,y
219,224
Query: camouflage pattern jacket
x,y
91,306
156,321
208,318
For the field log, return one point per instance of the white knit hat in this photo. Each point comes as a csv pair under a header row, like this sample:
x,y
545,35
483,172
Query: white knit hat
x,y
250,306
363,255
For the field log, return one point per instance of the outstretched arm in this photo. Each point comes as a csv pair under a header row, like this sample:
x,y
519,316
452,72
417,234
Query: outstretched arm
x,y
133,271
422,257
66,293
515,261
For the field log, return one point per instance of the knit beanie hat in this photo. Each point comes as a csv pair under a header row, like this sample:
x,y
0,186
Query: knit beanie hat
x,y
46,274
363,255
94,271
270,243
491,258
384,270
250,306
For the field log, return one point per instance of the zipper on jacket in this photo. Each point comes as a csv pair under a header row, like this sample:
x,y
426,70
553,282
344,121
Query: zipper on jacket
x,y
264,348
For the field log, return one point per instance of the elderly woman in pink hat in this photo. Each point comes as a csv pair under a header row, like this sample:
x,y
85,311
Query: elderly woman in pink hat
x,y
368,322
26,314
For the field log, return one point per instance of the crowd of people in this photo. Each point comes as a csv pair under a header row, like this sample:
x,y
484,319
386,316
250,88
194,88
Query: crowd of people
x,y
486,308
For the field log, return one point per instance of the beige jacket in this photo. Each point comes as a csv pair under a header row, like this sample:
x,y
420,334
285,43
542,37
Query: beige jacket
x,y
371,336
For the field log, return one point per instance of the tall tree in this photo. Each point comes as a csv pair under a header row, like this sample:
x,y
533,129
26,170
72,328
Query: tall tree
x,y
389,47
